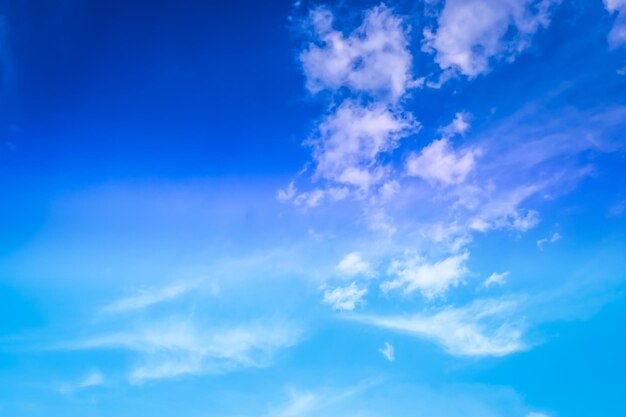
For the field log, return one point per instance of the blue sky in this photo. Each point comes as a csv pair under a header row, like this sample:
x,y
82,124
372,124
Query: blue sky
x,y
299,209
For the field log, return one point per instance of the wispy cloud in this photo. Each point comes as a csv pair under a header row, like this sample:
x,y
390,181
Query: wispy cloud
x,y
617,36
302,403
388,352
484,328
176,347
148,297
555,237
93,379
498,279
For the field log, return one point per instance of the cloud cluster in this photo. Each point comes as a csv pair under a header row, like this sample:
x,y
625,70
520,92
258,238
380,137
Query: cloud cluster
x,y
373,59
362,128
351,140
431,279
345,298
424,204
470,34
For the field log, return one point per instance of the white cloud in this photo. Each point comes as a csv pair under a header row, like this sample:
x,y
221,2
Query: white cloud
x,y
440,162
388,352
93,379
556,236
431,279
479,329
373,59
617,36
179,347
353,264
149,297
496,209
300,404
496,279
322,401
470,33
459,125
351,140
536,414
287,193
345,298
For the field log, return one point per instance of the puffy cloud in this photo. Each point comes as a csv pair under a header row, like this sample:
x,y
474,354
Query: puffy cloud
x,y
431,279
345,298
617,36
354,264
459,125
479,329
495,279
373,59
388,352
470,33
440,162
351,140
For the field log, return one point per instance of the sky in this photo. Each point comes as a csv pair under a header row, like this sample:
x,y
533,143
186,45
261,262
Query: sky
x,y
313,208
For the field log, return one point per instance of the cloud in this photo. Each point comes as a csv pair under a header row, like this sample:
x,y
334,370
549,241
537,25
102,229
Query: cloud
x,y
288,193
373,59
93,379
502,209
472,33
345,298
617,35
321,401
177,347
459,125
439,162
299,404
431,279
496,279
388,352
353,264
479,329
351,140
149,297
536,414
554,238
